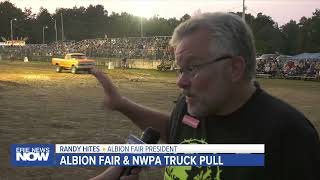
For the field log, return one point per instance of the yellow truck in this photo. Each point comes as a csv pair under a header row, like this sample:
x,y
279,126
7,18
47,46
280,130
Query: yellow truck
x,y
74,62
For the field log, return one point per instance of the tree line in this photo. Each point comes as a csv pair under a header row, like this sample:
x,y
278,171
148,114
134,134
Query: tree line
x,y
96,22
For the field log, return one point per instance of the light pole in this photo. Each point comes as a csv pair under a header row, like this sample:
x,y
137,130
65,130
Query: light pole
x,y
55,28
141,26
243,10
62,31
43,28
11,29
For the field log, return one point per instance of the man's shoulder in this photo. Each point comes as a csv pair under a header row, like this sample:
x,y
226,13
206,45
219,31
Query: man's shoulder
x,y
274,106
178,112
280,114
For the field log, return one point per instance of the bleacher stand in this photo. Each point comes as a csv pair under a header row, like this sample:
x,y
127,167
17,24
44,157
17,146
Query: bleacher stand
x,y
154,48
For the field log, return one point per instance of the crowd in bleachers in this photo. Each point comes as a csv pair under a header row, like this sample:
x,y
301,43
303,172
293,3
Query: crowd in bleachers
x,y
155,48
289,68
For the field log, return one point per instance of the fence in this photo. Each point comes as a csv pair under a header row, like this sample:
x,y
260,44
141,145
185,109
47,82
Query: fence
x,y
131,63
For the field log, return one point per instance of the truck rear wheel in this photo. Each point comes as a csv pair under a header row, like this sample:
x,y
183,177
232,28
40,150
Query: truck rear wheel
x,y
58,69
74,70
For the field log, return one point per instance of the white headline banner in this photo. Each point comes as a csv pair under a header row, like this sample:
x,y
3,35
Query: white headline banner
x,y
159,148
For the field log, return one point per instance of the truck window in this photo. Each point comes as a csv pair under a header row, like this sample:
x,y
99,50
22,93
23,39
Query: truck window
x,y
79,56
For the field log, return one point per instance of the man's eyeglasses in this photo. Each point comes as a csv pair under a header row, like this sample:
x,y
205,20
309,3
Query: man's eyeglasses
x,y
193,70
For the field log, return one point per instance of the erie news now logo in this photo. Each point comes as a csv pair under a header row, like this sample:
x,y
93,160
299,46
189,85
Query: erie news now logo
x,y
32,154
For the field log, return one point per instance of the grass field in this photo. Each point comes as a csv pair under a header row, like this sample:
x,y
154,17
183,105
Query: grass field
x,y
41,106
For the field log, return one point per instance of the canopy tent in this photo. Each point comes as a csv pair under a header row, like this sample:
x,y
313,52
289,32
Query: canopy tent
x,y
307,56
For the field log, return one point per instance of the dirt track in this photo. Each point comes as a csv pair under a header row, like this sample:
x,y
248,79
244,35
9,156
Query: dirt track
x,y
41,106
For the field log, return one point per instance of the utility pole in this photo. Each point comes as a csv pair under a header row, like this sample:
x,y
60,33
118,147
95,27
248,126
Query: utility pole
x,y
55,28
141,26
12,29
243,10
62,31
43,28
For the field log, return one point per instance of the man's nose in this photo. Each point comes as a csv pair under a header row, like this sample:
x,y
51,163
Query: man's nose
x,y
183,81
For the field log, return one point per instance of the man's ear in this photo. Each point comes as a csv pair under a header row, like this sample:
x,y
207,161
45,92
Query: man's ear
x,y
238,68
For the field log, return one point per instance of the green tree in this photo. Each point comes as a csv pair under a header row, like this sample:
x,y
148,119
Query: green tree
x,y
291,32
8,12
185,17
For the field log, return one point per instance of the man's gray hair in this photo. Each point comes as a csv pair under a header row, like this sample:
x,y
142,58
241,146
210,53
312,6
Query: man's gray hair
x,y
230,34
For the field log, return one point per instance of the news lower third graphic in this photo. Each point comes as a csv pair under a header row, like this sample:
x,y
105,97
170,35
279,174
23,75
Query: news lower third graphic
x,y
32,154
137,155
